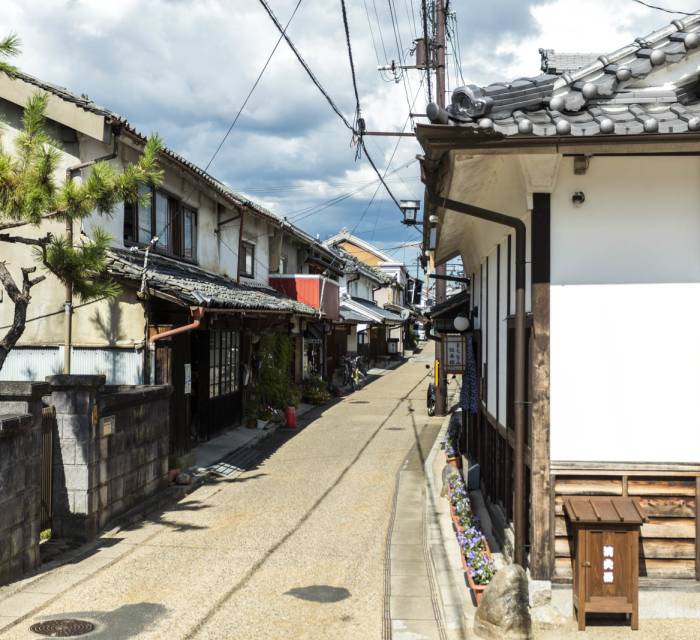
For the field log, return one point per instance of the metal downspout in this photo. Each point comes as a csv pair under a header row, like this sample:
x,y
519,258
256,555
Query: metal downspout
x,y
519,412
197,316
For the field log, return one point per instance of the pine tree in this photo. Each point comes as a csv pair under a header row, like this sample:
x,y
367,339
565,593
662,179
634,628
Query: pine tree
x,y
30,194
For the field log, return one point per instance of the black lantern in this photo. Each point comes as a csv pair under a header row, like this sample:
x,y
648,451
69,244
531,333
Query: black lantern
x,y
410,212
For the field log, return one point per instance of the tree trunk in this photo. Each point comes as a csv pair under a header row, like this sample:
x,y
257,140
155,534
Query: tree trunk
x,y
21,300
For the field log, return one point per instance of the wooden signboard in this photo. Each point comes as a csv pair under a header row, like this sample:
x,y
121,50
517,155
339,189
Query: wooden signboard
x,y
454,347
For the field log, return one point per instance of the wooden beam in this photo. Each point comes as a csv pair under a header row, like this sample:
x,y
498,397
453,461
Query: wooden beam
x,y
697,528
541,547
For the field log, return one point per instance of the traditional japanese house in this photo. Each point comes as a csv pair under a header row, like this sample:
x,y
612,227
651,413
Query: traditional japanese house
x,y
572,200
194,264
390,295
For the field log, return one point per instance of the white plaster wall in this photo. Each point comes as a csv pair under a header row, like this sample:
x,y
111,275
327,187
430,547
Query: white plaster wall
x,y
257,231
625,302
352,339
620,390
640,222
503,336
492,342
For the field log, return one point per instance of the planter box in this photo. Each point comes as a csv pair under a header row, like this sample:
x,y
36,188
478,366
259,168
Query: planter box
x,y
477,589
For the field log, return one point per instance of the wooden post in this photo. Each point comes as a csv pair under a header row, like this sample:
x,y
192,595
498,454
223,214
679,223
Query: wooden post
x,y
541,546
697,528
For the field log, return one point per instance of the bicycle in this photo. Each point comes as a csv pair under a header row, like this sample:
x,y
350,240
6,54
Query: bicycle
x,y
353,372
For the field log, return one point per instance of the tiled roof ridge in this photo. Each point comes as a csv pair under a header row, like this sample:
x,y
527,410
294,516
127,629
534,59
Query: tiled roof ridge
x,y
355,263
595,99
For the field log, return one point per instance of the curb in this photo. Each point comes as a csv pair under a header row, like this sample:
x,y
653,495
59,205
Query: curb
x,y
439,555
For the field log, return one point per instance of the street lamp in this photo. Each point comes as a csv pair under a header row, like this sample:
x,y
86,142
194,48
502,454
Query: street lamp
x,y
410,212
461,323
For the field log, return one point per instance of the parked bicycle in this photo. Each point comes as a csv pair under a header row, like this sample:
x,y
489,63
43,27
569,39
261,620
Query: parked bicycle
x,y
354,372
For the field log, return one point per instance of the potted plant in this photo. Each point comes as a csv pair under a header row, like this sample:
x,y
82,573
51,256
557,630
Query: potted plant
x,y
476,560
451,447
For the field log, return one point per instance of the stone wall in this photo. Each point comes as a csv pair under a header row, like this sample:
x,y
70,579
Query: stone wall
x,y
111,450
20,464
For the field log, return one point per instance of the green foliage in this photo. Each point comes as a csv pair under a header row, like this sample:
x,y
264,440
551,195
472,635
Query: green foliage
x,y
275,389
29,193
315,390
9,47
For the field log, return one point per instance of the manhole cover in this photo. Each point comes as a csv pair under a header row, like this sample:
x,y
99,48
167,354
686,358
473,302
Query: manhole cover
x,y
62,628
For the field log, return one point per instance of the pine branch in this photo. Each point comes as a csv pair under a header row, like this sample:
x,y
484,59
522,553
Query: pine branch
x,y
36,242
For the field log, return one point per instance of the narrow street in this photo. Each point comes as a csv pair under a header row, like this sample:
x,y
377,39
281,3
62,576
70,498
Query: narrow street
x,y
295,547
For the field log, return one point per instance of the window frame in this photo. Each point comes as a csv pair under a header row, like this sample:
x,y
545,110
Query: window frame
x,y
242,259
224,362
176,210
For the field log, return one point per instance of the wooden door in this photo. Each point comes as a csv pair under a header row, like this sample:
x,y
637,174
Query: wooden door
x,y
608,565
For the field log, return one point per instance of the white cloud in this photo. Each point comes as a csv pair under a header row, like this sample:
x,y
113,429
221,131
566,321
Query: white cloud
x,y
183,68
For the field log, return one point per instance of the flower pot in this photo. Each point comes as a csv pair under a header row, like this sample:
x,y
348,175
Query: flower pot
x,y
455,461
455,520
477,589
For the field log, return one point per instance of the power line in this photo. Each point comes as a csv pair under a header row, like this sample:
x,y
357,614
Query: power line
x,y
330,101
664,9
235,120
303,63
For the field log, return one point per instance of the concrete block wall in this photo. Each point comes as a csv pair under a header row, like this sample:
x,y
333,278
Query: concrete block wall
x,y
20,466
75,455
111,451
134,457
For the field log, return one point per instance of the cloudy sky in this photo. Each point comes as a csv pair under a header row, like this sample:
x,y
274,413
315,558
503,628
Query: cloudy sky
x,y
183,68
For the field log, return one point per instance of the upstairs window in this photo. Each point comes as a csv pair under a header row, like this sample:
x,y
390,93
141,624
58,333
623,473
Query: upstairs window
x,y
246,261
164,216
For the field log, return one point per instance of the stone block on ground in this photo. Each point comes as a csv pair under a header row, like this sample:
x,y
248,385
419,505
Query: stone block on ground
x,y
504,611
448,471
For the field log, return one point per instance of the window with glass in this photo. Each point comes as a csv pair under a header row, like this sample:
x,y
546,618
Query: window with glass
x,y
246,264
224,361
164,216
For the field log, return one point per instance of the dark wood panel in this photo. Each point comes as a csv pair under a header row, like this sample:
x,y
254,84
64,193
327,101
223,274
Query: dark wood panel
x,y
589,486
661,487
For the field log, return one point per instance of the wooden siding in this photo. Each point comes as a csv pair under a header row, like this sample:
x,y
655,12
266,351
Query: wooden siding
x,y
668,544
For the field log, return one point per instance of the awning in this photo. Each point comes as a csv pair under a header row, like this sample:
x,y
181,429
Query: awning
x,y
190,285
374,312
451,307
353,316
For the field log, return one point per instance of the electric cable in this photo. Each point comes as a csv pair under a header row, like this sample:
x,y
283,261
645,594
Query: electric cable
x,y
664,9
330,101
235,120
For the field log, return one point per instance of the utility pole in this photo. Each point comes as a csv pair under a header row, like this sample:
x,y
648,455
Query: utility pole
x,y
441,269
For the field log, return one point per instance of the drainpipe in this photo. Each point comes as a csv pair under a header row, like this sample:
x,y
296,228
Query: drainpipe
x,y
197,316
519,466
68,304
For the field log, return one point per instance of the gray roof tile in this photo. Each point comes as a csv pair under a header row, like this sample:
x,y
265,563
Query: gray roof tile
x,y
194,286
594,98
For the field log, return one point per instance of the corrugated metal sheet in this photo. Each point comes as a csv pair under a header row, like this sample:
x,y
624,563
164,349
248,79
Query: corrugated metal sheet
x,y
120,366
32,363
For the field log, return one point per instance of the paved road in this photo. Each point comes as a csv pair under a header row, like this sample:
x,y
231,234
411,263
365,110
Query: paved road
x,y
296,547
